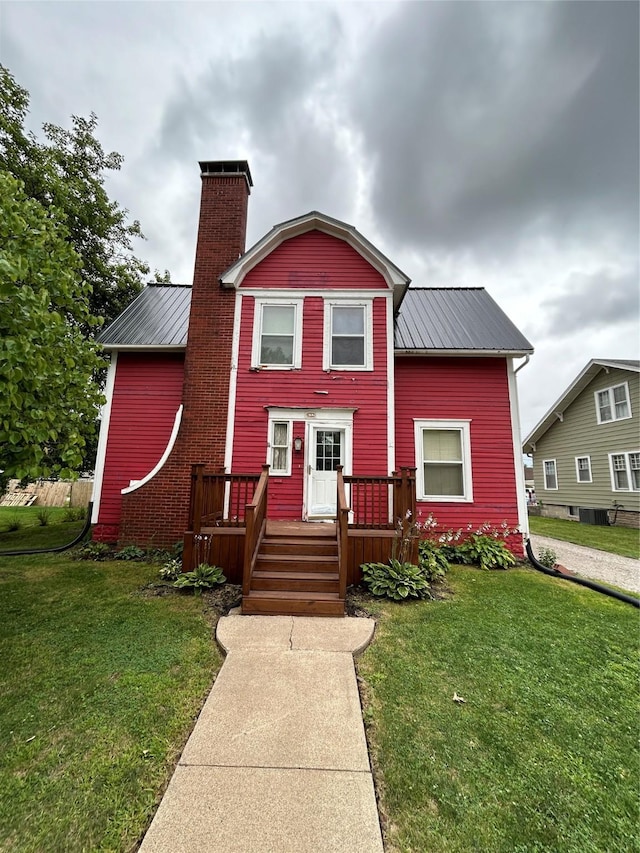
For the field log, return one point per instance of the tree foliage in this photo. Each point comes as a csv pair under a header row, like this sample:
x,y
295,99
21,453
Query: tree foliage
x,y
47,364
67,171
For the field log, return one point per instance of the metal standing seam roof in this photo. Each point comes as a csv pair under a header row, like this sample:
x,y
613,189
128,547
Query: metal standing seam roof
x,y
430,319
157,317
455,318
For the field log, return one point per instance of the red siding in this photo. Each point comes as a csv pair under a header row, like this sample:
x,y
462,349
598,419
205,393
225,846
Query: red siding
x,y
314,260
462,388
146,395
365,391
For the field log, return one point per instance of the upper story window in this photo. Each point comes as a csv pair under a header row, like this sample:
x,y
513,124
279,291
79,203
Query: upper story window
x,y
550,474
277,334
443,460
613,404
348,336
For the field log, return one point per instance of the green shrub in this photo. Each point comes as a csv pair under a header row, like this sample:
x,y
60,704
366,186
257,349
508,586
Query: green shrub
x,y
74,513
433,560
547,557
489,552
130,552
93,551
395,580
43,515
170,570
14,523
202,577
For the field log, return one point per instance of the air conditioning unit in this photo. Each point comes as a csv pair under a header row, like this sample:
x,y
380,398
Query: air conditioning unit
x,y
594,516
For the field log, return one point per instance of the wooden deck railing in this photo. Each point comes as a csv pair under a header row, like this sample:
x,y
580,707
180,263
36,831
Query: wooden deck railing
x,y
255,522
342,529
379,503
219,500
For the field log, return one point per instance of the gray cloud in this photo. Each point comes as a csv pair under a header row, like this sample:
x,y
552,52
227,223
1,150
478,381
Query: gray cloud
x,y
491,121
601,299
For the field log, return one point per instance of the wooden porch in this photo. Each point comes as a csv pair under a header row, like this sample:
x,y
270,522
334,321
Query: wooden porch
x,y
294,567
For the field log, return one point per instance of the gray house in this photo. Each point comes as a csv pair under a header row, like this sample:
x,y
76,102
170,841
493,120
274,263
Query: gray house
x,y
586,449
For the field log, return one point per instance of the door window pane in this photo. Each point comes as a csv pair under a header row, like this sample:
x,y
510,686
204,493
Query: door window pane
x,y
328,450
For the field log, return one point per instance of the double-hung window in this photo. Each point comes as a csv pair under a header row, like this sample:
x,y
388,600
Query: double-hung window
x,y
347,339
277,334
443,460
625,471
583,469
613,404
280,447
550,475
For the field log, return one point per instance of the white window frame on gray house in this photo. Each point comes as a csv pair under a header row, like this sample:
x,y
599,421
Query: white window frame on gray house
x,y
294,332
583,472
611,405
546,473
462,460
625,471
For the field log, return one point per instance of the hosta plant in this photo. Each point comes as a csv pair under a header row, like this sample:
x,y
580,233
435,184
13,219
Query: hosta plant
x,y
488,552
202,577
395,580
433,560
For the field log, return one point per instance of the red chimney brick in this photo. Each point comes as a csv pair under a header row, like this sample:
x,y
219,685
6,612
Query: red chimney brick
x,y
158,512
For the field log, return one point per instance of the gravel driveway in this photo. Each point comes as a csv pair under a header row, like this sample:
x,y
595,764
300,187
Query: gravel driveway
x,y
623,572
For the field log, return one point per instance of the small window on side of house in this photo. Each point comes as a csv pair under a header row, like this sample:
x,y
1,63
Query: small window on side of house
x,y
277,334
583,469
625,471
550,475
443,461
613,404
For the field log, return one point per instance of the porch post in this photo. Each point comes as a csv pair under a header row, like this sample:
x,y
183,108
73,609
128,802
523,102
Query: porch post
x,y
197,493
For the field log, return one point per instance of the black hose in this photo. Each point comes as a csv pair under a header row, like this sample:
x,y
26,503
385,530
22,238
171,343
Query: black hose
x,y
605,590
60,548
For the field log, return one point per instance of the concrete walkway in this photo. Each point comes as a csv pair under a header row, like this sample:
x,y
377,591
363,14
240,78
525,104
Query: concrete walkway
x,y
278,759
623,572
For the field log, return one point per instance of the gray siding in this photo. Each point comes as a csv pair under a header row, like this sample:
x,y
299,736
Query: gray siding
x,y
580,434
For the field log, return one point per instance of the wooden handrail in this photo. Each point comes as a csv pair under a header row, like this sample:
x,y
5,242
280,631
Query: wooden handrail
x,y
255,516
219,500
342,532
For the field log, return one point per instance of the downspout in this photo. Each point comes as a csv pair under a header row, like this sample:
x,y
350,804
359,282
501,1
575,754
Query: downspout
x,y
554,573
59,548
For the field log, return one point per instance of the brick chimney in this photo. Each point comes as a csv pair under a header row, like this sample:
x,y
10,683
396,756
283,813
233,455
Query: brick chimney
x,y
221,240
158,511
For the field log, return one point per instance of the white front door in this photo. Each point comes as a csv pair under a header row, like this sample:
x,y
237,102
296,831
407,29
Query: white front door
x,y
326,451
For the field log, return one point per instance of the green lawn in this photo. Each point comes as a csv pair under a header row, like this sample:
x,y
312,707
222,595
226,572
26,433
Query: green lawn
x,y
99,686
543,754
617,540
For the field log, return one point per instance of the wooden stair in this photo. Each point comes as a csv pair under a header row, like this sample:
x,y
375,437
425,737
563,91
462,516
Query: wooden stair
x,y
296,573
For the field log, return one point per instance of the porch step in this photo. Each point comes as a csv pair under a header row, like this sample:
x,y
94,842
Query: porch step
x,y
295,581
283,603
316,546
295,563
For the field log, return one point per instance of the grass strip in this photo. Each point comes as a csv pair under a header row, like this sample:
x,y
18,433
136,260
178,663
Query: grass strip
x,y
624,541
100,686
542,755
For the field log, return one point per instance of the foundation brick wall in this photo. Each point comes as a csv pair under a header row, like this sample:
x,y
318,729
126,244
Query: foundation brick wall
x,y
156,514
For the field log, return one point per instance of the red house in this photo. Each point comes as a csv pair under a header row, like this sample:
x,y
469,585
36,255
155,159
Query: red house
x,y
310,354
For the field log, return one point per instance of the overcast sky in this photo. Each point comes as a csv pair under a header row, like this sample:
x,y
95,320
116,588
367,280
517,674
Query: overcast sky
x,y
475,143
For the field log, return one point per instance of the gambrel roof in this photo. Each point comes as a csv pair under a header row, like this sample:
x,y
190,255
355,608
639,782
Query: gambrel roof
x,y
573,391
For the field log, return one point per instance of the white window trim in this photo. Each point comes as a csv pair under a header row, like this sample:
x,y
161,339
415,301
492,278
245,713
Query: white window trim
x,y
578,480
274,419
464,426
544,475
297,304
367,304
612,404
627,462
